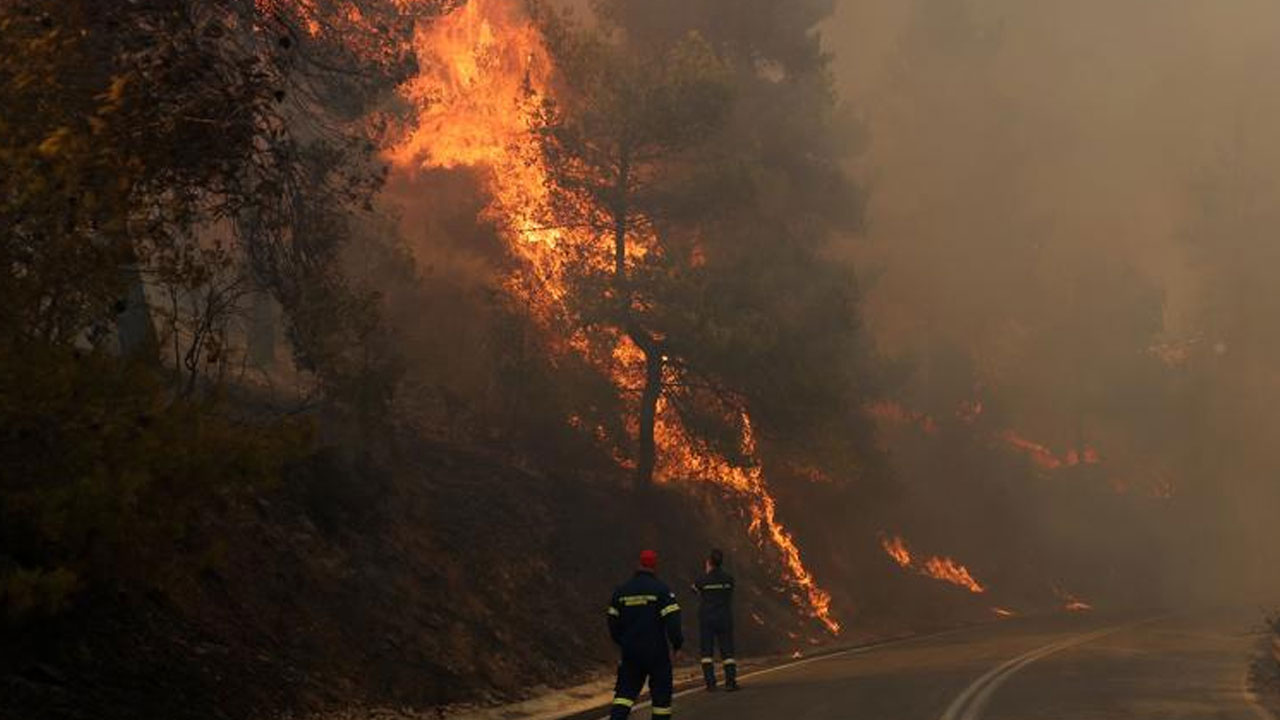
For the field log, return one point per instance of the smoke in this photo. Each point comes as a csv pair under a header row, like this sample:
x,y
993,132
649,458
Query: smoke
x,y
1070,220
1066,248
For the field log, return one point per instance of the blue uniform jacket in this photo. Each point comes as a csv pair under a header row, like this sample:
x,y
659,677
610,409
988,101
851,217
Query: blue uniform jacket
x,y
643,618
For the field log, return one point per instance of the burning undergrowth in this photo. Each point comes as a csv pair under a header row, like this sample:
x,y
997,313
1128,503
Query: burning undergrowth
x,y
937,567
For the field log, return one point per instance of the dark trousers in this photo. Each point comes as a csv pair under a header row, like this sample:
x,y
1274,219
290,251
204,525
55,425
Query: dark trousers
x,y
714,632
631,678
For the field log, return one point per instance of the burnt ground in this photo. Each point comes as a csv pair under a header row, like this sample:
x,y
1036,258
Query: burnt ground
x,y
441,577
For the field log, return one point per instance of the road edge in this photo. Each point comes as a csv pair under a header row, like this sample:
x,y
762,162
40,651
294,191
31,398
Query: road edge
x,y
826,653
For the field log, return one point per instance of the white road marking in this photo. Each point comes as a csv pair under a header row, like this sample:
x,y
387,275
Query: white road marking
x,y
800,663
969,704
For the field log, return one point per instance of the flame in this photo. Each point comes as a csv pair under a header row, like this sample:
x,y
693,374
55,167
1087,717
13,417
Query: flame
x,y
681,458
948,570
936,567
896,547
484,72
892,413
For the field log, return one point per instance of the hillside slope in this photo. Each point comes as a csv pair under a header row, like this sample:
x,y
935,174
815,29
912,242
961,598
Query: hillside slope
x,y
434,576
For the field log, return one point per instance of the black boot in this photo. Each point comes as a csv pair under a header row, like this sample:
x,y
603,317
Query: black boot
x,y
709,674
730,675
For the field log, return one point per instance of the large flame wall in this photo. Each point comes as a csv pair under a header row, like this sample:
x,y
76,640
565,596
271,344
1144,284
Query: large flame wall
x,y
484,69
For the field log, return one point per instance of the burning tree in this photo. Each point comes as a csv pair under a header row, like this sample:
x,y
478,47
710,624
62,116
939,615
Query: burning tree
x,y
622,151
723,299
634,199
704,161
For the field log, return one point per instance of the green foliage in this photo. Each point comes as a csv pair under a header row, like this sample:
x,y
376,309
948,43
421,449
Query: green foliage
x,y
104,476
621,143
133,133
714,144
196,147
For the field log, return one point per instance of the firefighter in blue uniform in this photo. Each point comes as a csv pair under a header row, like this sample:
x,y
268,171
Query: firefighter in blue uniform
x,y
715,621
644,619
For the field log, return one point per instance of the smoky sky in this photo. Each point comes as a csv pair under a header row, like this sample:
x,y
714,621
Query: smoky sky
x,y
1008,137
1071,210
1080,198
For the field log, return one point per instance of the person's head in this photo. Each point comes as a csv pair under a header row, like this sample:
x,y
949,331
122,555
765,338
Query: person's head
x,y
715,559
648,560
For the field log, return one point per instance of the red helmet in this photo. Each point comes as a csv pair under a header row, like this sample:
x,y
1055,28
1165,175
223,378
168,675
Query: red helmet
x,y
649,559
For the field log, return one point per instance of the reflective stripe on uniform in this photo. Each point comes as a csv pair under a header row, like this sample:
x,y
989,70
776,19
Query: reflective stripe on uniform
x,y
730,661
673,607
633,600
614,611
661,711
623,701
717,586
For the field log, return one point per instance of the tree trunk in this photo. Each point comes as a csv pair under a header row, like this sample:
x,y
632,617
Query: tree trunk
x,y
134,330
647,456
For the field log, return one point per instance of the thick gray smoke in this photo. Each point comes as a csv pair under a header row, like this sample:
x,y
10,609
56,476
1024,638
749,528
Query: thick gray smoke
x,y
1081,199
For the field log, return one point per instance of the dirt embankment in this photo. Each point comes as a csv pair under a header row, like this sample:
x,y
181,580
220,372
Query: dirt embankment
x,y
435,577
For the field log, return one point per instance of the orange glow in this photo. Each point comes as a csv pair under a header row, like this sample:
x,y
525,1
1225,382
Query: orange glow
x,y
484,72
948,570
970,411
1039,454
936,567
682,458
896,547
893,413
1070,602
1045,458
305,12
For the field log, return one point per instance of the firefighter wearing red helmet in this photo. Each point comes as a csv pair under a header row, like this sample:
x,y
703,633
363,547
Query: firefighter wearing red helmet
x,y
644,621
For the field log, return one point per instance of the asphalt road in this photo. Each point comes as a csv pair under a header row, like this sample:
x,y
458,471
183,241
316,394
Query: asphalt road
x,y
1078,667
